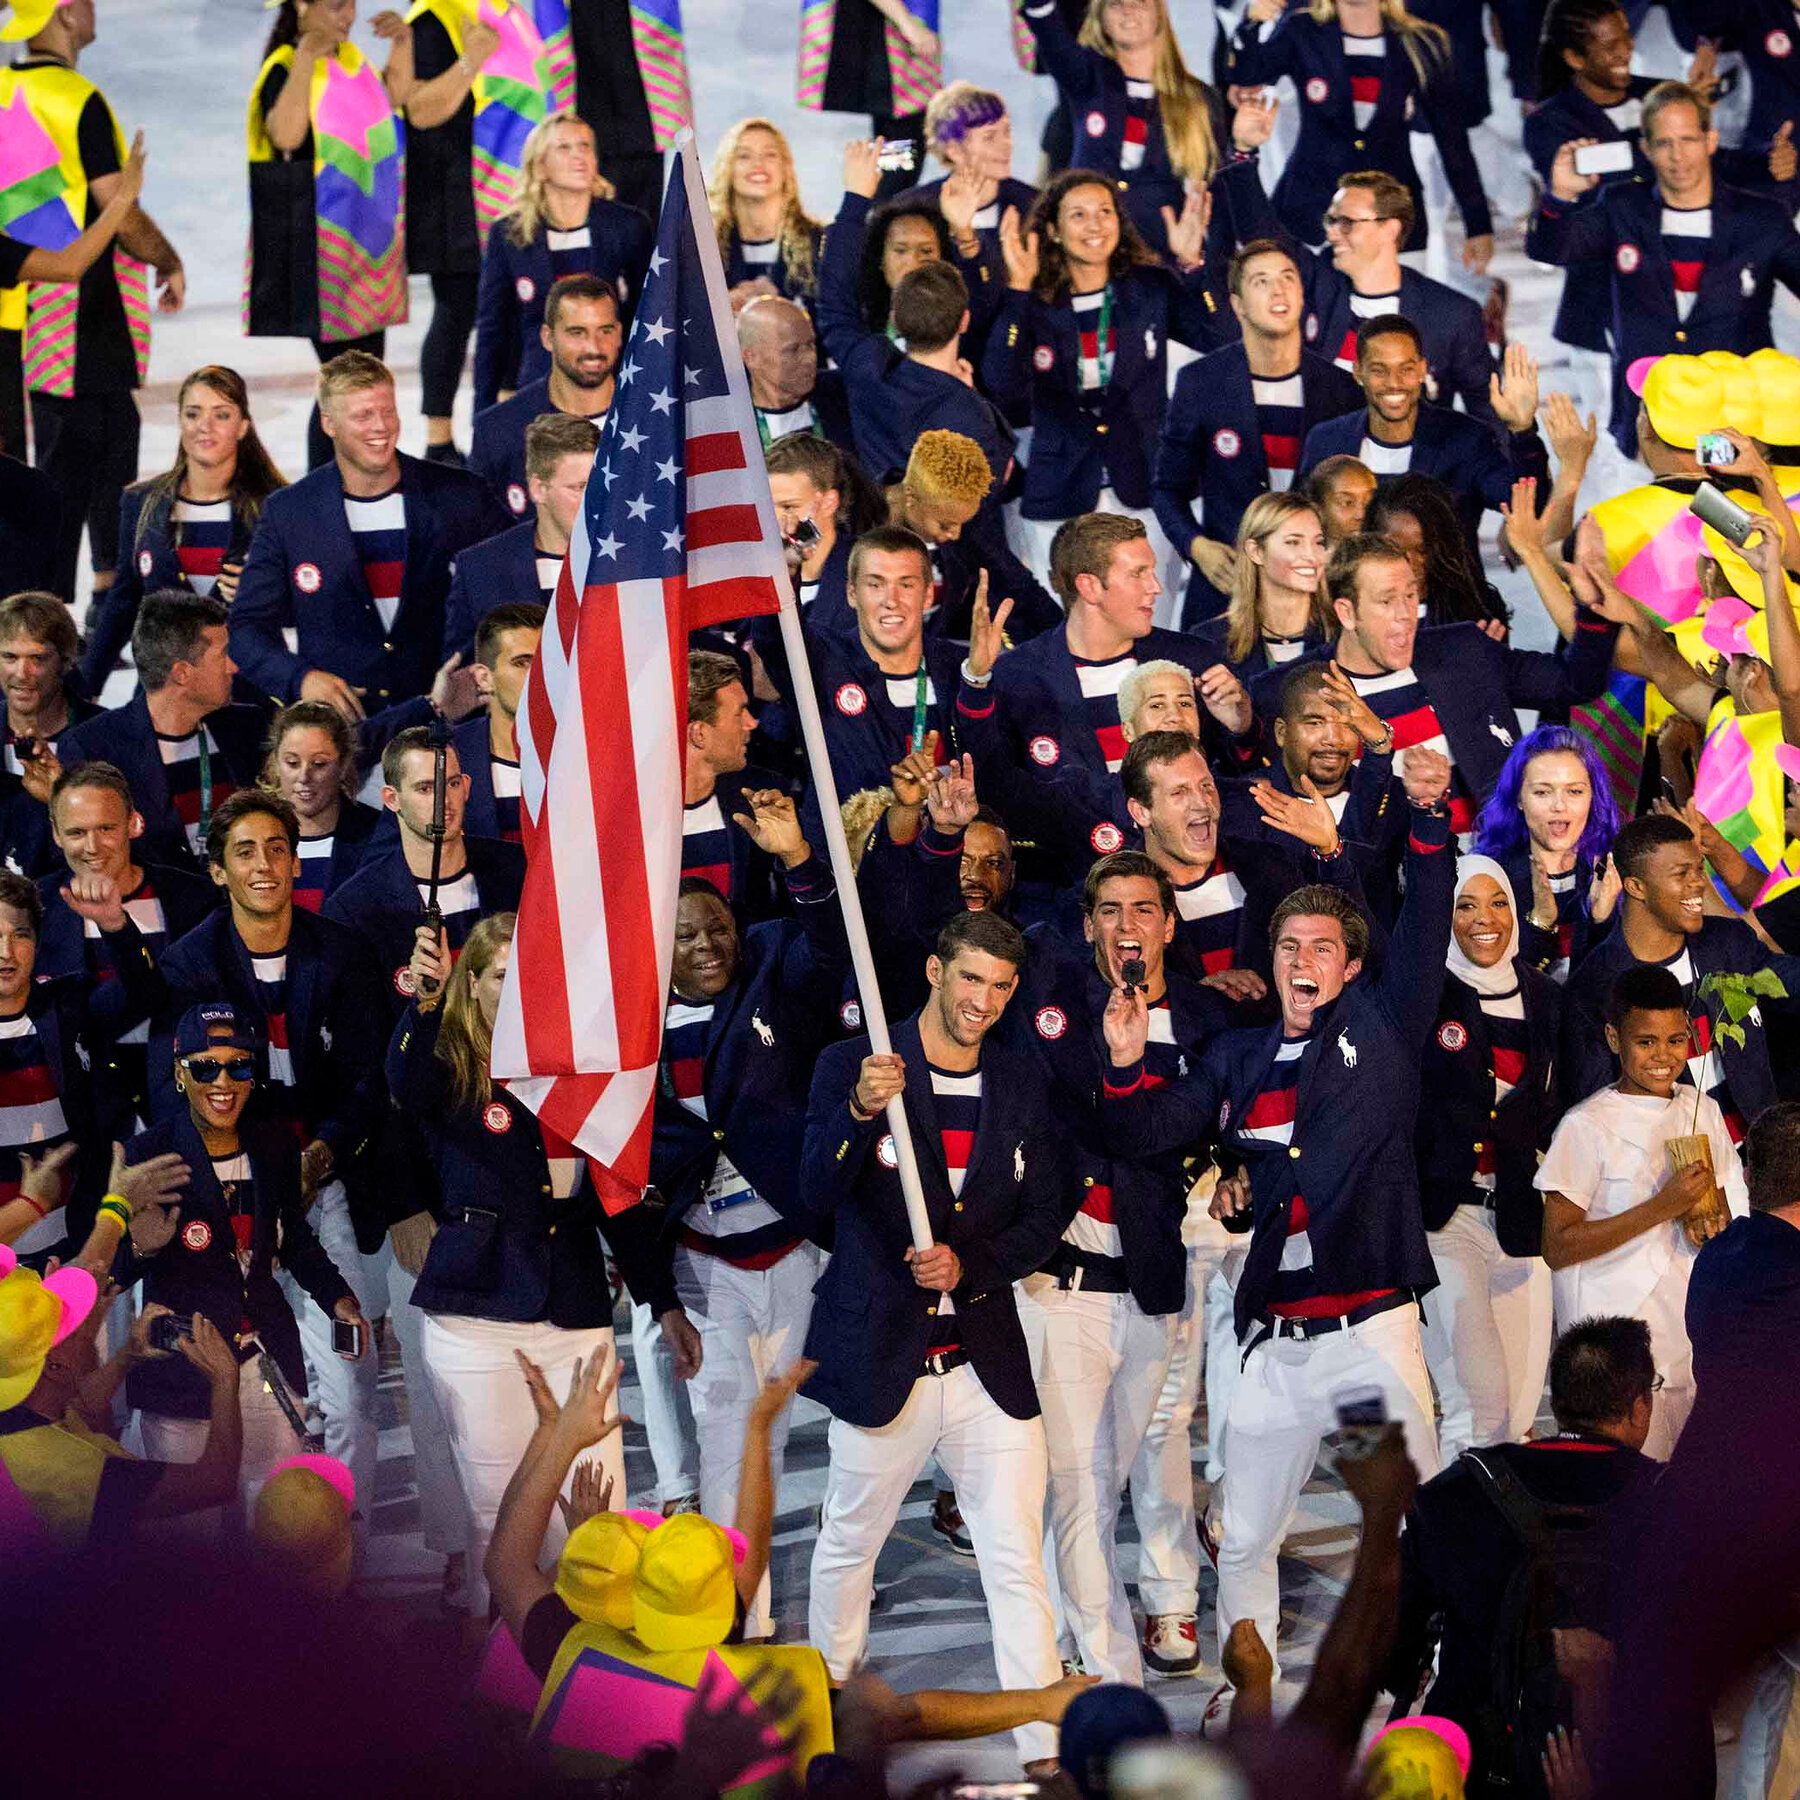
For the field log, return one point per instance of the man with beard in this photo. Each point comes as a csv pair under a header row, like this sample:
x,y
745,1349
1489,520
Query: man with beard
x,y
583,330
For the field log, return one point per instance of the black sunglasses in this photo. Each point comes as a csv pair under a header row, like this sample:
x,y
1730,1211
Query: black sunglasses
x,y
210,1068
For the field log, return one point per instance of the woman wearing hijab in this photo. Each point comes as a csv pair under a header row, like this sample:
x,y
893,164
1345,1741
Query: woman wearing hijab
x,y
1489,1071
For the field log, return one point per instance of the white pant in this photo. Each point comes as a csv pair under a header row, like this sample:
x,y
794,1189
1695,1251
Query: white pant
x,y
752,1323
268,1439
443,1512
668,1417
1099,1361
1162,1476
490,1417
1768,1758
1000,1468
346,1390
1486,1334
1171,562
1281,1407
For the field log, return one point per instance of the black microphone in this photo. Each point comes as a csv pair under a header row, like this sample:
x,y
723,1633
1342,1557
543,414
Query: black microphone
x,y
1132,973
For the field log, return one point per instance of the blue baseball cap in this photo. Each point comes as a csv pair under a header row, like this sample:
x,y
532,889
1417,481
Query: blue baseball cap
x,y
216,1024
1103,1720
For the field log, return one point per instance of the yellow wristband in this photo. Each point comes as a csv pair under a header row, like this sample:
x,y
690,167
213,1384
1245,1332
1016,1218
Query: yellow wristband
x,y
121,1200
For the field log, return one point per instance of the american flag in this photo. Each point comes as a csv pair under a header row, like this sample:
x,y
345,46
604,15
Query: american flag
x,y
677,532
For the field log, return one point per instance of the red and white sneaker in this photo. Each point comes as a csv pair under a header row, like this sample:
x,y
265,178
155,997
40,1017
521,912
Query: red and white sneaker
x,y
1217,1716
1209,1535
1171,1644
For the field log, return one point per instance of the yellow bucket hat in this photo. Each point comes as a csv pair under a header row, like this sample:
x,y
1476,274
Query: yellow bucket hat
x,y
595,1572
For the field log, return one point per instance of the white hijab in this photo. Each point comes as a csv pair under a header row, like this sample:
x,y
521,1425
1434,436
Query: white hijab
x,y
1503,977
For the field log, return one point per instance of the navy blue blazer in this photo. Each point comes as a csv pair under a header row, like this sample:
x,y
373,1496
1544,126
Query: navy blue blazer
x,y
1212,450
1331,144
769,1023
147,565
1474,685
304,574
1056,1016
198,1271
1464,454
783,279
1539,949
493,573
380,902
1080,442
1764,33
893,400
1753,245
1351,1154
1720,945
1458,1074
871,1322
1214,633
350,844
505,1247
497,445
126,738
25,840
985,272
516,280
335,1025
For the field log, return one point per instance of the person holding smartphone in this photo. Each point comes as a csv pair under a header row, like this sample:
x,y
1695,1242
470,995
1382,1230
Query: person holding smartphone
x,y
214,1254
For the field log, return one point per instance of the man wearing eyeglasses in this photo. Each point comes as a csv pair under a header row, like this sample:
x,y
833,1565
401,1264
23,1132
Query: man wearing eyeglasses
x,y
214,1253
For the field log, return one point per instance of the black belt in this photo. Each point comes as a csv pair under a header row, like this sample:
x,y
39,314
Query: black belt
x,y
1312,1328
941,1362
1084,1272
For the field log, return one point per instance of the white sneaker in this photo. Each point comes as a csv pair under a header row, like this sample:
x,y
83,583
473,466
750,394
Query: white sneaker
x,y
1171,1643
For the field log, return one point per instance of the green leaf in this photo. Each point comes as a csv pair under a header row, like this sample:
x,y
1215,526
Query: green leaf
x,y
1731,1034
1738,1003
1767,982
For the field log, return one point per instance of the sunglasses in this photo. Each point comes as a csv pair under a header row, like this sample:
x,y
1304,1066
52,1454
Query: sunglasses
x,y
210,1068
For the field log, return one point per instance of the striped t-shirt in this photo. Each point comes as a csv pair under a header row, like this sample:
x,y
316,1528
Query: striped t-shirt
x,y
1509,1045
957,1098
1095,363
187,782
507,792
312,874
1367,57
1140,101
1363,306
378,529
1400,701
31,1119
1100,683
1281,419
571,252
1092,1229
1686,235
706,843
202,530
1208,912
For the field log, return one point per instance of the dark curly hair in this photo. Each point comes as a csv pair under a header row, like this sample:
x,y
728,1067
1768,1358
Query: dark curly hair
x,y
1053,266
873,295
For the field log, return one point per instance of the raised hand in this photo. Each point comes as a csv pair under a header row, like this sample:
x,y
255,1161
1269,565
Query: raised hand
x,y
155,1182
590,1494
775,1394
1543,895
95,897
480,41
40,771
1565,183
1425,774
987,633
959,200
1571,442
1359,715
41,1177
1237,985
430,965
1216,561
1020,253
1126,1024
1226,698
1783,159
1253,120
392,26
1187,233
1513,392
951,796
456,691
584,1419
862,167
773,823
1604,890
910,777
543,1402
1305,816
1703,72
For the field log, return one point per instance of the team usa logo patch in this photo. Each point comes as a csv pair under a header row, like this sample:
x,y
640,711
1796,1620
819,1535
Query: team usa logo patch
x,y
1227,442
1626,258
515,497
1106,837
885,1153
404,984
1778,43
1096,124
1043,359
1044,751
525,288
850,1015
1051,1022
196,1234
146,562
497,1119
1451,1035
307,577
851,700
1316,90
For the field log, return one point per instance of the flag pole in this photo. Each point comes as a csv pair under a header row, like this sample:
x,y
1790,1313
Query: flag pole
x,y
812,726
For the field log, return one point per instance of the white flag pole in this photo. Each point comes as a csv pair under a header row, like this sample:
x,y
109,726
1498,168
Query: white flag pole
x,y
806,701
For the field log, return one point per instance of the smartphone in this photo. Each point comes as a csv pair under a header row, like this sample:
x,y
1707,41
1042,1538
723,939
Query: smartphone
x,y
995,1790
347,1338
1604,159
1724,515
1712,448
804,536
1362,1416
898,156
168,1329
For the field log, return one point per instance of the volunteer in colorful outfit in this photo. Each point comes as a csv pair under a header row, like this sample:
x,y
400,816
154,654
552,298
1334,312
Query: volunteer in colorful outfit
x,y
327,255
482,79
562,221
189,527
1369,74
86,347
768,239
879,57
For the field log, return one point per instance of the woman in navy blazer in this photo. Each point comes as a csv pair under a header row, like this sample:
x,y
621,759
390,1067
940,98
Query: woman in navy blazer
x,y
765,234
313,766
563,221
516,1265
190,527
1359,105
1278,610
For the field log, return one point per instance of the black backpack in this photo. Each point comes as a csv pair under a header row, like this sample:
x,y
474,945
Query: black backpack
x,y
1564,1578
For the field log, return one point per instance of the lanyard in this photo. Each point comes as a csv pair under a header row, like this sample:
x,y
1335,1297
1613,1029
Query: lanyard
x,y
1102,338
920,689
206,790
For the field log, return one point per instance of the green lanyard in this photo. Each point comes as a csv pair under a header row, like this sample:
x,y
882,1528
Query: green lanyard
x,y
920,691
1103,337
205,785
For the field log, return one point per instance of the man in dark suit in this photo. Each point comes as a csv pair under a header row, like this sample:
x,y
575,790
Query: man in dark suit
x,y
1397,434
356,558
583,332
920,1352
787,387
44,703
1314,1117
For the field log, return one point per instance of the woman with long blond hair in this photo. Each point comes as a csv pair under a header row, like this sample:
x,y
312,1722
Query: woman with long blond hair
x,y
1369,74
765,234
1139,117
1278,610
563,220
516,1264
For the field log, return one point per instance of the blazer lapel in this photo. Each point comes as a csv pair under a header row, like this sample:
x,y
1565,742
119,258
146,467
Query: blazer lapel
x,y
421,537
921,1111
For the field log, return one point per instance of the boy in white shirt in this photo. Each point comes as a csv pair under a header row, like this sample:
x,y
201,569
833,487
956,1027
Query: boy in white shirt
x,y
1614,1230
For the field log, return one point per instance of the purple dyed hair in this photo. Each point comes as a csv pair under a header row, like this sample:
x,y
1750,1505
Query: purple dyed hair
x,y
960,109
1500,825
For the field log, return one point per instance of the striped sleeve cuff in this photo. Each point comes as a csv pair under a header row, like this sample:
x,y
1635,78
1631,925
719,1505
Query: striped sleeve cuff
x,y
1118,1084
